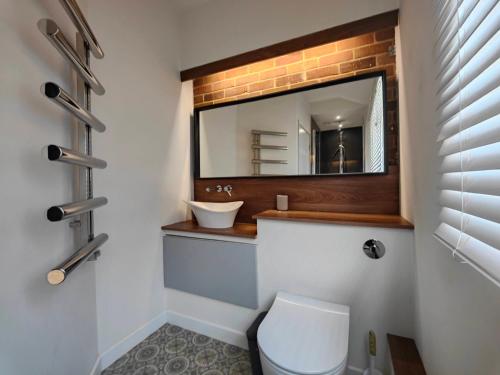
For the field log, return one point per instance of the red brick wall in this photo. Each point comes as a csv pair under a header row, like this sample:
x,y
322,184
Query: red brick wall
x,y
361,54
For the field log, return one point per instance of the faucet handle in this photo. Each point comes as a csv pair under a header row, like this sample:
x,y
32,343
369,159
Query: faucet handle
x,y
228,189
219,188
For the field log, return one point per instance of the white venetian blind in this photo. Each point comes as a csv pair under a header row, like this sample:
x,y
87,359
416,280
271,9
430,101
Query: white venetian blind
x,y
467,53
374,130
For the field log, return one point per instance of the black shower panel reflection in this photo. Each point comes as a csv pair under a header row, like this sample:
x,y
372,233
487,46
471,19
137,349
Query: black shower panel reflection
x,y
352,139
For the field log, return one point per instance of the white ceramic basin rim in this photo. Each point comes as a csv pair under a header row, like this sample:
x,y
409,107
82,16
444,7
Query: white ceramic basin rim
x,y
215,214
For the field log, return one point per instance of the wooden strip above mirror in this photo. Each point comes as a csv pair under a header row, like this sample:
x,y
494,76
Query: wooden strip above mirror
x,y
347,30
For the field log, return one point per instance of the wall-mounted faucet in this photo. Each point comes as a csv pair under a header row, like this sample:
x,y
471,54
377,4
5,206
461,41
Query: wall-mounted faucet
x,y
219,189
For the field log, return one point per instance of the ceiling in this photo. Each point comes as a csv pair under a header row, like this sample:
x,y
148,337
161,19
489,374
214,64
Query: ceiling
x,y
347,103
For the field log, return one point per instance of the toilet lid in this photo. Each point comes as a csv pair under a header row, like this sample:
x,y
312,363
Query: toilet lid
x,y
305,336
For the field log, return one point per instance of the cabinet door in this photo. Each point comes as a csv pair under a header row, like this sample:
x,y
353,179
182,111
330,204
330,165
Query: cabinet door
x,y
222,270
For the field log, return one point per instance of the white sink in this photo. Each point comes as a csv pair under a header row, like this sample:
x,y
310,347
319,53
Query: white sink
x,y
215,215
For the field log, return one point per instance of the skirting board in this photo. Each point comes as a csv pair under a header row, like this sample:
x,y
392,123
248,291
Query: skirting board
x,y
127,343
96,370
223,334
209,329
215,331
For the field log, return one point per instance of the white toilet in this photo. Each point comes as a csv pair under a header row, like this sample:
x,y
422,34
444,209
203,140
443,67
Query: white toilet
x,y
302,335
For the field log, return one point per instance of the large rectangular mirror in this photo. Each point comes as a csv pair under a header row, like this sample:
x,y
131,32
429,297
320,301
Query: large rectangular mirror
x,y
326,129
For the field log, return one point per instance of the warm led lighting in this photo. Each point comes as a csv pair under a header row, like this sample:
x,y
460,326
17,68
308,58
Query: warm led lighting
x,y
340,126
337,118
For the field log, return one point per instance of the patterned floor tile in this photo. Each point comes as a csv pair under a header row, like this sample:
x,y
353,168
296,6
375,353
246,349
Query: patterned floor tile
x,y
172,350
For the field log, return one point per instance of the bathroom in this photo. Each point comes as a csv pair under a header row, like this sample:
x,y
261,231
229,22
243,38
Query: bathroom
x,y
351,211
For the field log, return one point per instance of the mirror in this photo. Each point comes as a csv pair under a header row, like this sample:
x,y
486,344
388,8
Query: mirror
x,y
326,129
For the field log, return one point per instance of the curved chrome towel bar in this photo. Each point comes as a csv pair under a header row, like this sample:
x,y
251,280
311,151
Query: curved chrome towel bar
x,y
65,211
58,274
50,29
76,15
64,155
62,98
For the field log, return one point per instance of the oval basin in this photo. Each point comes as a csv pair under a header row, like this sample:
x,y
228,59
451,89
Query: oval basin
x,y
215,214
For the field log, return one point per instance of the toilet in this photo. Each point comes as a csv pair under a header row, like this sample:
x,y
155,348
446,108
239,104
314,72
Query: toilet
x,y
302,335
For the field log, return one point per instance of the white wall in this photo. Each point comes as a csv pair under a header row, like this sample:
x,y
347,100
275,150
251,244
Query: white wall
x,y
43,329
275,114
54,330
218,147
223,28
458,310
147,146
303,139
226,136
326,262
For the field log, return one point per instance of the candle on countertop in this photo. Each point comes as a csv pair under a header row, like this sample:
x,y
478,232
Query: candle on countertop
x,y
282,202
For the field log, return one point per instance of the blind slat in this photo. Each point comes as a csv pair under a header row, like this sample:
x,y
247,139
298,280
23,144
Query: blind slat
x,y
482,109
482,134
457,53
481,256
483,83
482,206
484,230
482,60
480,182
477,159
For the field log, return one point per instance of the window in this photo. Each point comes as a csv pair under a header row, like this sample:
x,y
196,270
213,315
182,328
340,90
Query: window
x,y
467,52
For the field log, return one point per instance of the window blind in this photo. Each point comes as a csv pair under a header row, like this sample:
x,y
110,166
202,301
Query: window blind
x,y
374,130
467,56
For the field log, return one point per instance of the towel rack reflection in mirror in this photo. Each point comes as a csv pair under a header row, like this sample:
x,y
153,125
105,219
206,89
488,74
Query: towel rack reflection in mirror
x,y
257,146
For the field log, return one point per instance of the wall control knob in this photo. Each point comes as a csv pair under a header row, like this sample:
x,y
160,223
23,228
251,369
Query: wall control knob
x,y
374,249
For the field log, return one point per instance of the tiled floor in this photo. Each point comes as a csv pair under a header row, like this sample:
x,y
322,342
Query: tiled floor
x,y
174,351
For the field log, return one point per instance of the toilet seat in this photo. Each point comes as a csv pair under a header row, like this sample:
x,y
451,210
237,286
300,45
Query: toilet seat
x,y
301,335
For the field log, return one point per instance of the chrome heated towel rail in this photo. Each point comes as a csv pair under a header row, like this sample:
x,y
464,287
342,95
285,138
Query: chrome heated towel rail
x,y
257,147
80,154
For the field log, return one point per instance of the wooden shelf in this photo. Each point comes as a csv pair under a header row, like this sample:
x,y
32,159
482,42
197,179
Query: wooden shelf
x,y
238,230
404,356
367,220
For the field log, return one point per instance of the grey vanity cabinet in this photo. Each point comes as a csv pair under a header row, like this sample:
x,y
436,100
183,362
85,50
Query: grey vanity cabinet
x,y
221,270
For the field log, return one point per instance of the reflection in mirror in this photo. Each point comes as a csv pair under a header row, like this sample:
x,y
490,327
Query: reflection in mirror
x,y
335,129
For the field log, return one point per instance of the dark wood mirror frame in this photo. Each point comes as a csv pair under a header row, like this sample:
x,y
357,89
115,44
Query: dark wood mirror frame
x,y
196,132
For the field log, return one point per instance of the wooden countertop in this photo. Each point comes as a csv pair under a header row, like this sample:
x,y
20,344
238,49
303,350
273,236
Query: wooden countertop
x,y
368,220
245,230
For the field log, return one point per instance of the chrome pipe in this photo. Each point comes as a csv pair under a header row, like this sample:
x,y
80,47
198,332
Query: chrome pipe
x,y
65,211
62,98
268,132
74,12
50,29
268,147
58,274
58,153
264,161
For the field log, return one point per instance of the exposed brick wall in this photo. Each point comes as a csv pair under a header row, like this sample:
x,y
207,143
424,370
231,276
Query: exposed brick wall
x,y
362,54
